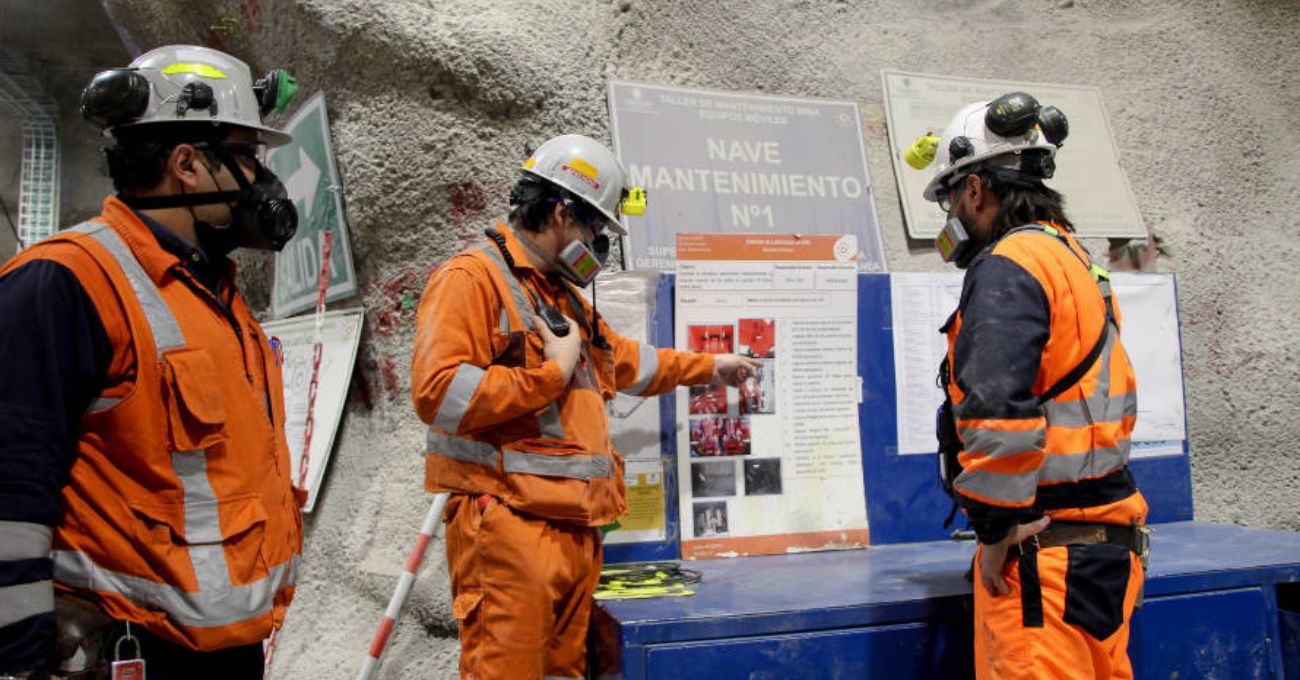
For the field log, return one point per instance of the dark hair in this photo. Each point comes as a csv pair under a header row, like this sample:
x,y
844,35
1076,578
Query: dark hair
x,y
138,161
531,202
1022,199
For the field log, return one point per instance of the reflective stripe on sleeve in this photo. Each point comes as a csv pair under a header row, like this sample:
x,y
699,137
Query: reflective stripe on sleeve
x,y
460,448
24,540
207,608
999,487
574,467
25,600
647,367
455,402
999,443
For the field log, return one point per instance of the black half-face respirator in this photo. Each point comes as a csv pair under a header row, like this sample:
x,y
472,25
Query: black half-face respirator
x,y
261,214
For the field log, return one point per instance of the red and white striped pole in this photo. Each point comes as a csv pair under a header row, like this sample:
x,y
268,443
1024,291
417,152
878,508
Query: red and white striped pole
x,y
403,588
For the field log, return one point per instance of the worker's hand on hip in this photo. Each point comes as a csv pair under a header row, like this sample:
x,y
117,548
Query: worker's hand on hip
x,y
564,351
993,556
733,369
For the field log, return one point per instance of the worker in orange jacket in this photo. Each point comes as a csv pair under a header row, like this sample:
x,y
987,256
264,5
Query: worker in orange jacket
x,y
511,370
1041,404
145,497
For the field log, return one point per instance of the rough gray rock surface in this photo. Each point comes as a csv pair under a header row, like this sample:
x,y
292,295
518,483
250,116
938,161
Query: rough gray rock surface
x,y
433,102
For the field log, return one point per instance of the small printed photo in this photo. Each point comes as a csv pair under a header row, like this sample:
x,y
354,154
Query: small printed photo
x,y
758,338
762,476
708,399
712,338
758,392
710,518
713,478
718,436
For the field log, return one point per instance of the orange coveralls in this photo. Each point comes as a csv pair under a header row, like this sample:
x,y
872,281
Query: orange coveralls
x,y
527,457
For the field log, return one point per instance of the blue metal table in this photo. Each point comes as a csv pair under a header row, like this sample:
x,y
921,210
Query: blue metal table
x,y
1222,601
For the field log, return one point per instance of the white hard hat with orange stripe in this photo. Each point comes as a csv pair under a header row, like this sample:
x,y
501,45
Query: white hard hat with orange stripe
x,y
589,170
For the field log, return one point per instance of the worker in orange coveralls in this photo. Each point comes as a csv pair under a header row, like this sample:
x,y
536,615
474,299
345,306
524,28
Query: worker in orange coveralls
x,y
511,370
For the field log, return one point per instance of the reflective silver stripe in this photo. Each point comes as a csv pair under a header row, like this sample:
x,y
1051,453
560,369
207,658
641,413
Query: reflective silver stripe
x,y
999,486
1103,362
572,467
460,448
503,324
202,524
647,367
166,332
549,422
1080,412
207,608
1002,443
523,306
455,402
103,404
24,600
1068,467
24,540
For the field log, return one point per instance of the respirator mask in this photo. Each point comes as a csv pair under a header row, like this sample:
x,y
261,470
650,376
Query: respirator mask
x,y
261,214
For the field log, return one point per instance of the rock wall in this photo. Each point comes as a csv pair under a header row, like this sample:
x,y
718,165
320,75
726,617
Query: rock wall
x,y
432,104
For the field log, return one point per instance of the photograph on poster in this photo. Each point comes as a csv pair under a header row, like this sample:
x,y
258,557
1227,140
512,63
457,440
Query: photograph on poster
x,y
713,478
712,338
762,476
758,337
758,392
719,436
708,399
710,518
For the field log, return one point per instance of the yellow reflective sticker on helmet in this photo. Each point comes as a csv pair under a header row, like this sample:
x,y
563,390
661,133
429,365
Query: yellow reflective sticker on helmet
x,y
583,167
201,70
528,164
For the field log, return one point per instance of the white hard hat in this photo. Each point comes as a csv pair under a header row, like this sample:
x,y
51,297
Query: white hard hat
x,y
968,138
586,168
187,83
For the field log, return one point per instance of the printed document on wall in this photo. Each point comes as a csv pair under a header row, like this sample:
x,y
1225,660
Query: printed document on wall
x,y
627,305
921,303
1148,308
774,466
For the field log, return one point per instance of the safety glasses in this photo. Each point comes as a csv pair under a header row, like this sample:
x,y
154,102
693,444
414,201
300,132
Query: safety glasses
x,y
593,218
254,152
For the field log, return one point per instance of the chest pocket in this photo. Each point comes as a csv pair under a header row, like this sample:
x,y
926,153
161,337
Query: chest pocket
x,y
196,410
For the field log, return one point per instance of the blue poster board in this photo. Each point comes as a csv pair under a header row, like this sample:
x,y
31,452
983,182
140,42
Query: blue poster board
x,y
905,503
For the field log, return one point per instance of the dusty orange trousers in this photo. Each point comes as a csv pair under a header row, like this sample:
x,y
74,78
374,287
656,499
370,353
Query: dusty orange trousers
x,y
521,590
1066,618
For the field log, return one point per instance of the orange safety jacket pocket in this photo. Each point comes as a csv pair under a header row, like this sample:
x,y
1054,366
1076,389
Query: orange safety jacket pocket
x,y
177,538
561,481
465,603
196,411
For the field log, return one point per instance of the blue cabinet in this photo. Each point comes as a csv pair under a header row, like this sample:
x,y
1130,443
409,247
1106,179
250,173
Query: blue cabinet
x,y
903,611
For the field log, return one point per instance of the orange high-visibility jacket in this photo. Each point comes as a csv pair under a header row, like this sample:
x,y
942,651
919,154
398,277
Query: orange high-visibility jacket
x,y
502,420
179,514
1031,310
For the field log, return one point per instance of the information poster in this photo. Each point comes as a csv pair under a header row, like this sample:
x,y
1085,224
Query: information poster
x,y
341,335
732,162
1098,198
774,466
1149,328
